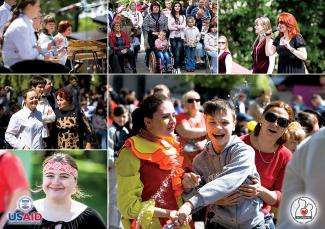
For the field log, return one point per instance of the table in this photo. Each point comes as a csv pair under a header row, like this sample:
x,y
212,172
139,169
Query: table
x,y
89,36
87,50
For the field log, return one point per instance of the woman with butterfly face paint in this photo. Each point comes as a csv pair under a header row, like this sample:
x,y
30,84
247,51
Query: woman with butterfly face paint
x,y
271,156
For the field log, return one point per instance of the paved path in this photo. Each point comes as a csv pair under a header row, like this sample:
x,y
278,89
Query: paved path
x,y
142,68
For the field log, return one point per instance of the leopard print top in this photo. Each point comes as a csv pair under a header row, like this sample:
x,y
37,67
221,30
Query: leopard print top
x,y
73,128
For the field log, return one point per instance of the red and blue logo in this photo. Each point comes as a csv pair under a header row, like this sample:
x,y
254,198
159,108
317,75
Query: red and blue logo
x,y
23,214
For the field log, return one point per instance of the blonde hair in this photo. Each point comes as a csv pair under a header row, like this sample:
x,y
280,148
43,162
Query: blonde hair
x,y
266,24
66,158
226,45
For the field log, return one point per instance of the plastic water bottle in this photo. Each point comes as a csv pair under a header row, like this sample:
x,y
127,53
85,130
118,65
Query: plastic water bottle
x,y
169,226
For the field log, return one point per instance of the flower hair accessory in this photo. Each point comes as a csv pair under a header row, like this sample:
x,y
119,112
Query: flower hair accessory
x,y
62,166
294,125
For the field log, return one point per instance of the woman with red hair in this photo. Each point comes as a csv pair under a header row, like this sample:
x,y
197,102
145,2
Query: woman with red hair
x,y
290,45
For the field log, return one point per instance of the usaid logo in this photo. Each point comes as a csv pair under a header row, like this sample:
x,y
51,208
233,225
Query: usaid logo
x,y
23,214
25,204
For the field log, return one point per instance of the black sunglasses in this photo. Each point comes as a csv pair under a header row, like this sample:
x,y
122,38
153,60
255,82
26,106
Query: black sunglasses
x,y
271,117
281,22
221,42
192,100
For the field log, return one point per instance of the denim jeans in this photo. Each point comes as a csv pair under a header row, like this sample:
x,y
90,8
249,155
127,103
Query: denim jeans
x,y
214,60
269,224
164,55
190,58
177,45
102,137
199,50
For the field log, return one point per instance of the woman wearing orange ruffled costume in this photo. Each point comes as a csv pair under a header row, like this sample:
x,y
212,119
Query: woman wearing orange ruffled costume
x,y
149,168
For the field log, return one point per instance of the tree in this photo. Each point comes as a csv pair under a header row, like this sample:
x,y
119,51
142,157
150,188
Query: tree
x,y
236,22
227,87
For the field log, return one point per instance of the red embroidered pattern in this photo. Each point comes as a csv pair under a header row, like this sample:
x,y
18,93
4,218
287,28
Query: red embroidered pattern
x,y
62,166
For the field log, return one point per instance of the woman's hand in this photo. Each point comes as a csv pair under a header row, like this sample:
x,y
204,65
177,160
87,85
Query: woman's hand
x,y
286,44
233,199
268,34
88,146
190,180
250,191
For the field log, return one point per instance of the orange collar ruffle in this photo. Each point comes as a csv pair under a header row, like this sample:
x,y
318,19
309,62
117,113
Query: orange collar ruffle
x,y
165,153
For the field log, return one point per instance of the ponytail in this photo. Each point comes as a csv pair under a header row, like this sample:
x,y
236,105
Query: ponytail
x,y
18,9
146,110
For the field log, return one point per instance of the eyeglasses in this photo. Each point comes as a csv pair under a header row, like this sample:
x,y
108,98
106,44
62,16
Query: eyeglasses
x,y
271,117
192,100
281,22
220,42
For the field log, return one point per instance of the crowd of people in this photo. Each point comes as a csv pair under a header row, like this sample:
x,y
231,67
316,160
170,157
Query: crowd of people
x,y
29,41
69,118
187,37
217,157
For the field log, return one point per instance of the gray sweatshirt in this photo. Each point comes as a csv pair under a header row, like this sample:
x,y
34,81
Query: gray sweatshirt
x,y
221,175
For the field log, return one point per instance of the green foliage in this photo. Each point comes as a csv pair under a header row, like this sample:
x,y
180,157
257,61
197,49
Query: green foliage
x,y
86,24
22,82
51,7
236,22
228,86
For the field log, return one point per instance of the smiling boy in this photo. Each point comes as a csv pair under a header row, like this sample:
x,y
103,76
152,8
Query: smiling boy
x,y
224,164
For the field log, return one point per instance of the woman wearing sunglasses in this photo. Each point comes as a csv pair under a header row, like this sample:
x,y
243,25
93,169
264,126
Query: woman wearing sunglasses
x,y
224,56
290,45
271,156
191,128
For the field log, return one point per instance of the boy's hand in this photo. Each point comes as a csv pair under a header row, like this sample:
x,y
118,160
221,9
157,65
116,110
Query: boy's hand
x,y
250,191
233,199
191,180
184,214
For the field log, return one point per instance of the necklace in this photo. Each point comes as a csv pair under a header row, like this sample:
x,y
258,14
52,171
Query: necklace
x,y
259,152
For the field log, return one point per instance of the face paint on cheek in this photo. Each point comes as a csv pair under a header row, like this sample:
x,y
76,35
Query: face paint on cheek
x,y
164,122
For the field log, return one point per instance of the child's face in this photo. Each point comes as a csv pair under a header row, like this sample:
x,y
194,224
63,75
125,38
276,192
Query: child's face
x,y
162,36
206,23
122,119
190,23
219,128
214,29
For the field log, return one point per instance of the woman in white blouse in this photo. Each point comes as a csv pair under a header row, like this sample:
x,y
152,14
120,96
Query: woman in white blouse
x,y
25,126
19,41
20,50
